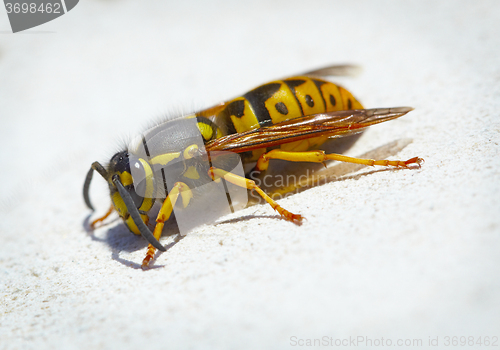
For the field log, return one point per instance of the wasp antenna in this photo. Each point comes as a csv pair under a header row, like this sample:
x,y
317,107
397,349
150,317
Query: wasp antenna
x,y
100,169
86,187
134,213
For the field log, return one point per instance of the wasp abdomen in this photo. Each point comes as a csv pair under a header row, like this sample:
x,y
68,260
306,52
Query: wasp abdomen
x,y
283,100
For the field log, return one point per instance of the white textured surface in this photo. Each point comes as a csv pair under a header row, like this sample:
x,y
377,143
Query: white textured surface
x,y
389,254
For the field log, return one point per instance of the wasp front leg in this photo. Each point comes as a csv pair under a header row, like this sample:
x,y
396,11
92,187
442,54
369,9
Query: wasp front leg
x,y
250,184
102,218
167,207
321,156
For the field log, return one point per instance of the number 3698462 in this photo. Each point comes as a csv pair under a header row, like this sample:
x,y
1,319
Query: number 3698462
x,y
33,7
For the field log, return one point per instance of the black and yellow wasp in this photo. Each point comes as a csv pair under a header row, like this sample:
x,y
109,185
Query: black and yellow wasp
x,y
286,119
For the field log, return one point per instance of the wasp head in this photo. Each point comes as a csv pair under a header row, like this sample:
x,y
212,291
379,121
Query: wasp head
x,y
131,206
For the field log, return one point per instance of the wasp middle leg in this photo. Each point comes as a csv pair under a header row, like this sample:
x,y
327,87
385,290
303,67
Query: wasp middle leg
x,y
250,184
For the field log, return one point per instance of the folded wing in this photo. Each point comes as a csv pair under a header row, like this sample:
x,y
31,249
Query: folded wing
x,y
332,124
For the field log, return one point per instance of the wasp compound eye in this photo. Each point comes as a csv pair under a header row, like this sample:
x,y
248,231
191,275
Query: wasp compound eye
x,y
143,178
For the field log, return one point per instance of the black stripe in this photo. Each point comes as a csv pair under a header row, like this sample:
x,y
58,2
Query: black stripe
x,y
318,84
257,99
165,188
236,108
145,146
292,84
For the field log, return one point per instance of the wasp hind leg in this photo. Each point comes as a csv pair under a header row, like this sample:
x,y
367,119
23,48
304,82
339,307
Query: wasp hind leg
x,y
164,214
250,184
321,156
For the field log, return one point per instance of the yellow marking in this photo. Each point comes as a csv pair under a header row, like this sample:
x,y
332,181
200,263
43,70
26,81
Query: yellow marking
x,y
186,195
285,96
346,97
190,151
248,121
256,154
330,89
304,145
297,146
191,173
218,134
149,192
309,88
126,178
121,208
205,130
190,116
315,142
147,204
133,227
119,205
163,159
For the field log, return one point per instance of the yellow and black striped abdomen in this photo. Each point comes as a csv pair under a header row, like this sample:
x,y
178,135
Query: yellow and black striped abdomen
x,y
281,100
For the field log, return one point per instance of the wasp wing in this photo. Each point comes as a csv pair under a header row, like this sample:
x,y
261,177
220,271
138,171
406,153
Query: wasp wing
x,y
331,124
343,70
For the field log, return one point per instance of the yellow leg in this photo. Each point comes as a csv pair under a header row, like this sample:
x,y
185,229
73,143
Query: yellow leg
x,y
249,184
102,218
320,157
164,214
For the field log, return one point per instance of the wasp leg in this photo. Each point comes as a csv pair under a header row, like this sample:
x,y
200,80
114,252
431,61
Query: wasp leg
x,y
321,156
164,214
250,184
102,218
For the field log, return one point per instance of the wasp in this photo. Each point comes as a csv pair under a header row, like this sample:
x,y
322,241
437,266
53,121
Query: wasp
x,y
190,161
